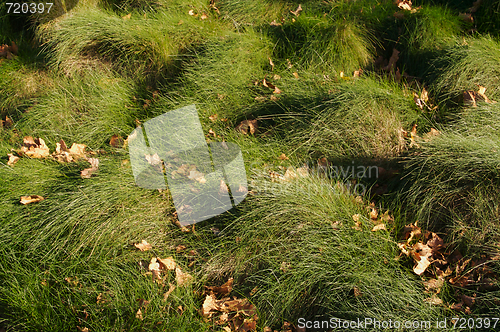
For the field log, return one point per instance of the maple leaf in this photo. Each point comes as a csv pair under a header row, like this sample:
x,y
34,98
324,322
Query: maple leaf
x,y
143,246
31,199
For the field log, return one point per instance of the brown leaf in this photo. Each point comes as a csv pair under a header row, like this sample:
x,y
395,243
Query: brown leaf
x,y
182,278
297,11
117,141
213,117
8,122
167,263
470,98
14,48
277,90
424,95
434,299
170,290
373,214
35,148
31,199
271,63
247,126
422,254
138,315
225,289
143,246
283,157
77,151
274,23
88,172
404,4
295,74
209,305
379,227
12,159
203,16
127,17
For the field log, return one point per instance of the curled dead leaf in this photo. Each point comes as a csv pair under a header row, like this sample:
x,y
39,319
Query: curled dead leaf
x,y
143,246
31,199
182,278
247,126
12,159
297,11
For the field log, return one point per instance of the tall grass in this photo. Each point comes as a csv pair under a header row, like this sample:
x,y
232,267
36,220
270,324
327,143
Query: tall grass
x,y
467,65
297,246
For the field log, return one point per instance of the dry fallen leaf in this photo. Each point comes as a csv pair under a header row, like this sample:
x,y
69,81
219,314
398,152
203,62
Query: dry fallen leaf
x,y
35,148
88,172
213,117
271,63
170,290
182,278
138,315
143,246
167,263
404,4
117,141
209,306
203,16
77,151
225,289
247,126
31,199
421,253
127,17
197,176
12,159
379,227
297,11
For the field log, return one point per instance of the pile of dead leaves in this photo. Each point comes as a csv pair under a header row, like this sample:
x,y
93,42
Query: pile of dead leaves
x,y
441,263
232,314
36,148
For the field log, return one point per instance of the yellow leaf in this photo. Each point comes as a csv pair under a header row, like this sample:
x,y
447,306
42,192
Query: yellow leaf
x,y
78,151
127,17
31,199
283,157
143,246
295,74
424,95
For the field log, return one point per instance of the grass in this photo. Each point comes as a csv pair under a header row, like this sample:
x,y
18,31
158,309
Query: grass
x,y
293,246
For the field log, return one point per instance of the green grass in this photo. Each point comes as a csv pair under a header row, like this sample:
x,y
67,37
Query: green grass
x,y
291,247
